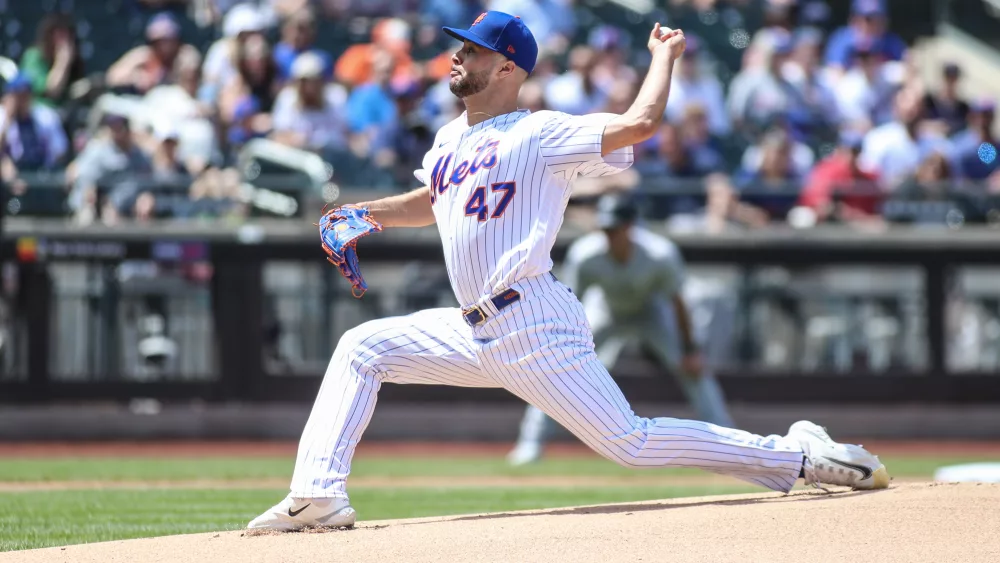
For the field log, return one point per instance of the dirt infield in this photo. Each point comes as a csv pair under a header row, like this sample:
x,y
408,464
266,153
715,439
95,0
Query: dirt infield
x,y
907,523
406,449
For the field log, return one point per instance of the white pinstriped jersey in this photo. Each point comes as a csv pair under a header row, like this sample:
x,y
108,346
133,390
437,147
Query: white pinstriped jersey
x,y
499,190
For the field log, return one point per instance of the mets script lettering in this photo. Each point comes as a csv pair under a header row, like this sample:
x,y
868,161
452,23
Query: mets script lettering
x,y
485,157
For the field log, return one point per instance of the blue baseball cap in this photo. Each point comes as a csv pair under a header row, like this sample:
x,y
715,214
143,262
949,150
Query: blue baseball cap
x,y
501,33
19,83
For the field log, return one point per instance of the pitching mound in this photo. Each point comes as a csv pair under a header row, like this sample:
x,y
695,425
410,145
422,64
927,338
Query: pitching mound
x,y
906,523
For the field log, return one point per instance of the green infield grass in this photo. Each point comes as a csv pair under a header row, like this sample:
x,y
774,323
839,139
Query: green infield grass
x,y
68,506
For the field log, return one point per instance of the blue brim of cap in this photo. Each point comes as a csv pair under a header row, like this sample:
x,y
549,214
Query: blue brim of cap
x,y
467,35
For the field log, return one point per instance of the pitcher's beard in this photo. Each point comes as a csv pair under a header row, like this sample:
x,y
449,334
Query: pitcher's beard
x,y
470,84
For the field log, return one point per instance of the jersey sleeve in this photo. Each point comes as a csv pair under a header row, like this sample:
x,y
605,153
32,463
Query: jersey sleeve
x,y
571,146
672,275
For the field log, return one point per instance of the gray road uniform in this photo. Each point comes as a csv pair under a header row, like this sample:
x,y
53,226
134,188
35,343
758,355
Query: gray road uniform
x,y
630,303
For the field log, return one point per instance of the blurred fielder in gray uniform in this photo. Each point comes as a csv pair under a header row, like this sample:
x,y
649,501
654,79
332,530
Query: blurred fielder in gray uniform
x,y
629,280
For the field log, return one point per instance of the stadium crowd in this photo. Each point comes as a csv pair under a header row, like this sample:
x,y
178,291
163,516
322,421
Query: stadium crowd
x,y
828,117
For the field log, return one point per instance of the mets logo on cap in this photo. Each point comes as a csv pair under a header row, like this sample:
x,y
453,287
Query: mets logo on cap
x,y
479,19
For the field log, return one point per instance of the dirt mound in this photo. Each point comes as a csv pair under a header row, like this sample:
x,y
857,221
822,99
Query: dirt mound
x,y
911,522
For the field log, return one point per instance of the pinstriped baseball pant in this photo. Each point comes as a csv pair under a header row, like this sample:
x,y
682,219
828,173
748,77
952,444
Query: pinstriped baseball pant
x,y
540,349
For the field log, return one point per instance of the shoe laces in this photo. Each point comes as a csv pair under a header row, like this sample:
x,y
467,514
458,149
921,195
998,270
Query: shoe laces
x,y
809,474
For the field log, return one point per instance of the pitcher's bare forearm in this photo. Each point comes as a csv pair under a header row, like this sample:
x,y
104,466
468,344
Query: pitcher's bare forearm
x,y
412,209
642,119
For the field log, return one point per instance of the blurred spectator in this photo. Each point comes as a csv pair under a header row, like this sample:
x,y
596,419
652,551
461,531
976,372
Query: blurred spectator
x,y
839,172
248,122
866,27
552,22
895,149
693,82
168,170
723,211
181,100
929,182
222,60
54,63
800,157
154,63
947,105
974,150
298,36
815,97
760,96
371,109
866,92
696,137
31,135
612,47
309,113
166,161
668,157
772,186
256,77
574,91
106,167
391,36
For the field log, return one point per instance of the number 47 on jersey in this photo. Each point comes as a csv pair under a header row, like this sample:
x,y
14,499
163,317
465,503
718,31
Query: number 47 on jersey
x,y
478,206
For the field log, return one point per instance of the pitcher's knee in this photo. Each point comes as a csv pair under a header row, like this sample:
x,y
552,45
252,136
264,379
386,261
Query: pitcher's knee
x,y
625,448
360,347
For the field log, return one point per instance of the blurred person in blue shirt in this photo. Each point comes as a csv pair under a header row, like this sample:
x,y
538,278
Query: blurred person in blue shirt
x,y
31,136
773,185
298,36
867,26
371,108
974,150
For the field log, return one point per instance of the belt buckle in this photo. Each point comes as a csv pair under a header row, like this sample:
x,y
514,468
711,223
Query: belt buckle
x,y
474,310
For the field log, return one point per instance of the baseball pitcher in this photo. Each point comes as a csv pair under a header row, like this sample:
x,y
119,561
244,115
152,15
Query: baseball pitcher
x,y
497,180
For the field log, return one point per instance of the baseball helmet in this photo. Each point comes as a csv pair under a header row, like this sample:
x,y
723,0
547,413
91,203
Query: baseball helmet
x,y
616,210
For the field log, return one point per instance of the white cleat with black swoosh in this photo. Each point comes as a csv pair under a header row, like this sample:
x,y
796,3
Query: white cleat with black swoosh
x,y
297,513
832,463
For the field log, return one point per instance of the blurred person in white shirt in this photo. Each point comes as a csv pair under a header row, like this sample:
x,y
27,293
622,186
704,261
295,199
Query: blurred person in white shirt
x,y
895,150
693,82
574,91
221,62
866,92
309,113
760,95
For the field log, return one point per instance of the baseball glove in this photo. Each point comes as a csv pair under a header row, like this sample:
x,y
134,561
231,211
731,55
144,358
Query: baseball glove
x,y
340,229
